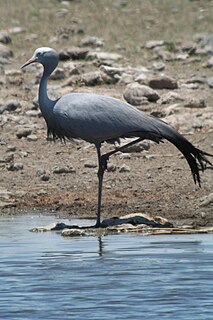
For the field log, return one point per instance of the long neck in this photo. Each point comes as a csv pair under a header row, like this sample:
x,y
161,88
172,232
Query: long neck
x,y
45,103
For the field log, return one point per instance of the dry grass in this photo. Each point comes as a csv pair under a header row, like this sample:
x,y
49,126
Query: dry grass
x,y
128,23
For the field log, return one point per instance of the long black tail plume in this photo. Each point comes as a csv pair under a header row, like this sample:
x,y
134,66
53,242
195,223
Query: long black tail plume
x,y
196,158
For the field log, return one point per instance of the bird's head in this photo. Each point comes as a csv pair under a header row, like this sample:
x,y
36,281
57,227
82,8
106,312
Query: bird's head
x,y
48,57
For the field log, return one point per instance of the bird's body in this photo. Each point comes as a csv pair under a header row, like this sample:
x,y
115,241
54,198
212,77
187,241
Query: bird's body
x,y
92,118
96,118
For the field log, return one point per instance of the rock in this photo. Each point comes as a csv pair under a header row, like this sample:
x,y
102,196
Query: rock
x,y
5,52
206,200
204,43
126,78
209,63
163,82
138,219
43,174
210,82
159,66
32,137
136,94
10,106
92,42
197,79
191,86
55,226
181,56
58,74
15,166
141,78
90,164
45,177
23,133
92,78
5,37
111,167
138,147
62,12
124,168
102,56
33,113
71,68
65,169
114,73
31,37
73,233
170,97
154,43
74,53
195,103
5,194
8,158
16,30
11,148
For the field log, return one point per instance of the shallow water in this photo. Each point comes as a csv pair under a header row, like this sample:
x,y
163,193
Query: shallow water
x,y
46,276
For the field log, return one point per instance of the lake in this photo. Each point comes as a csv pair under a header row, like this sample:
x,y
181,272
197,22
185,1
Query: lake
x,y
126,276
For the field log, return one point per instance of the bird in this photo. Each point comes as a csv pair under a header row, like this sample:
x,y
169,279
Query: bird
x,y
98,118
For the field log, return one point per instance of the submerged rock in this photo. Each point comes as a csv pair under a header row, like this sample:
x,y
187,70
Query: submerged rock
x,y
138,219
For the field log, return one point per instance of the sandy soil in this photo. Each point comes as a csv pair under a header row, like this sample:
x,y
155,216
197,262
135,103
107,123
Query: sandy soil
x,y
159,181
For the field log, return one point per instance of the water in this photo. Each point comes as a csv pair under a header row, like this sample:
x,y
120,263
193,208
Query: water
x,y
46,276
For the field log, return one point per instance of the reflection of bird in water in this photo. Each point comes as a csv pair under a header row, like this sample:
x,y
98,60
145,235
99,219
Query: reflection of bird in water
x,y
96,118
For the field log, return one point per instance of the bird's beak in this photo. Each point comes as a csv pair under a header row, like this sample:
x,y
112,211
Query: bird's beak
x,y
31,60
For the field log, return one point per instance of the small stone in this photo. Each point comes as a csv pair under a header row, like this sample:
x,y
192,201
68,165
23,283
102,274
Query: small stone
x,y
5,52
92,78
102,56
210,82
65,169
45,177
5,37
71,68
5,194
163,82
154,43
111,167
74,53
206,200
136,94
32,137
209,63
92,42
10,106
90,164
16,30
159,66
11,148
141,146
8,158
124,168
73,233
170,97
33,113
15,167
195,103
58,74
23,133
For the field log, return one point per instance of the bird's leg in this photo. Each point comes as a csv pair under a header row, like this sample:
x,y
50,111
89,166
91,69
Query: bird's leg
x,y
102,166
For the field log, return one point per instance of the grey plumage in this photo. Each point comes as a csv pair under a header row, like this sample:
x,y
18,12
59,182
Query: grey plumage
x,y
95,119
